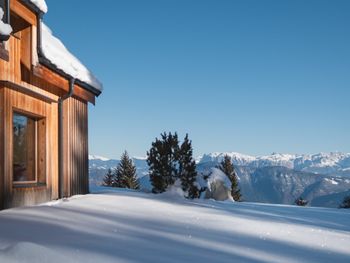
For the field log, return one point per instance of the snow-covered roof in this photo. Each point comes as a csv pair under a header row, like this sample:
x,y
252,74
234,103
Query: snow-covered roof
x,y
5,29
55,51
41,4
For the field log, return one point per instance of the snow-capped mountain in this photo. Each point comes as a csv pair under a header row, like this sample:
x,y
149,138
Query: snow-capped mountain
x,y
321,163
323,178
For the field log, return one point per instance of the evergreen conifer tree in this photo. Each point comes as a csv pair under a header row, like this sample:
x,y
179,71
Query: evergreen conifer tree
x,y
126,173
187,169
109,178
162,161
226,166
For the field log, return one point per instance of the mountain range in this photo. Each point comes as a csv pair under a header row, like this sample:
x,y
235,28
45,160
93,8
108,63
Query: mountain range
x,y
323,179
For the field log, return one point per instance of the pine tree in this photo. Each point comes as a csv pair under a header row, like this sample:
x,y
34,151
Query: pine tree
x,y
226,166
109,178
126,173
187,169
346,202
301,201
162,161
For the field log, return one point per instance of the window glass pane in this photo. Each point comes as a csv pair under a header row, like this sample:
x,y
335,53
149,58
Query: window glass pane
x,y
4,8
24,139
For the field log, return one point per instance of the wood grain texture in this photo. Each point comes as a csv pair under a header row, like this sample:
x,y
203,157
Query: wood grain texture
x,y
29,87
76,161
14,194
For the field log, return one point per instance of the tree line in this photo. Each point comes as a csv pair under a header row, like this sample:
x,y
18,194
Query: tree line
x,y
169,161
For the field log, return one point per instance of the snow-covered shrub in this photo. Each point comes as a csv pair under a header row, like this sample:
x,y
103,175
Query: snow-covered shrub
x,y
218,186
301,202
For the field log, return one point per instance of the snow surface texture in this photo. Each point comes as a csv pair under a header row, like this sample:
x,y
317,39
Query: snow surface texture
x,y
127,226
5,29
55,51
41,4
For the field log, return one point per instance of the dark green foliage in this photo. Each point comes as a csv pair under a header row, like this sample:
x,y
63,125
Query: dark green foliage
x,y
162,161
226,166
301,202
346,202
168,162
187,169
109,178
125,174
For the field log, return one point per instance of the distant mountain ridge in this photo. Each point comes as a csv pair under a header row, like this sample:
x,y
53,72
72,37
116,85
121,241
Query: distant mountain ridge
x,y
323,178
320,163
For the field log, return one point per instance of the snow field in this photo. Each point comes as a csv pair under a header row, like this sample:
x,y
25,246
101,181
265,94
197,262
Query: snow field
x,y
126,226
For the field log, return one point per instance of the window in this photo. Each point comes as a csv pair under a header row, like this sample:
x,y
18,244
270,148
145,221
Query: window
x,y
4,7
28,149
5,18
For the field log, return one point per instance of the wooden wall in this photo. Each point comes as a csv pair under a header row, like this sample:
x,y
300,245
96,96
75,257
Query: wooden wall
x,y
19,195
76,152
33,88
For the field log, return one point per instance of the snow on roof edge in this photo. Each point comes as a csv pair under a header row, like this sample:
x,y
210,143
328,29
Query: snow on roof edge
x,y
41,4
56,52
5,29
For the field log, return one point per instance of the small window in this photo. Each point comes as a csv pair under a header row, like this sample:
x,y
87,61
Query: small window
x,y
28,149
4,7
5,18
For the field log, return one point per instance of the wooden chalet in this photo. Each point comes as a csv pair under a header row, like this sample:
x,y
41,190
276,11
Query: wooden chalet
x,y
43,111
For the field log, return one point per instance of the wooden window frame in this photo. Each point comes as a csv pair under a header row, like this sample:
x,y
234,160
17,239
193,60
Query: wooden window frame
x,y
40,150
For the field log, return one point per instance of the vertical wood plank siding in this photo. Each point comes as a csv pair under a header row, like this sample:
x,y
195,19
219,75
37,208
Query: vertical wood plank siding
x,y
76,166
19,195
19,82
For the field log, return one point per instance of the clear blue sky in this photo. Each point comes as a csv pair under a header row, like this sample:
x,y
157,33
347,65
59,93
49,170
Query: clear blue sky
x,y
249,76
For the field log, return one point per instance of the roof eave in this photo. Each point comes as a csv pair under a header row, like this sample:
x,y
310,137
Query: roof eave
x,y
47,63
33,7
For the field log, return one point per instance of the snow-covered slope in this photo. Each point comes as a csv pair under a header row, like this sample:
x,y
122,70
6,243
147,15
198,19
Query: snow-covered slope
x,y
124,226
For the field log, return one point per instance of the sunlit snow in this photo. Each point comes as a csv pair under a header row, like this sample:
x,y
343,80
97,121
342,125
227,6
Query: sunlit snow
x,y
127,226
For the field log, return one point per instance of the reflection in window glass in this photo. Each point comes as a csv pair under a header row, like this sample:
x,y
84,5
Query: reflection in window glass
x,y
24,152
3,5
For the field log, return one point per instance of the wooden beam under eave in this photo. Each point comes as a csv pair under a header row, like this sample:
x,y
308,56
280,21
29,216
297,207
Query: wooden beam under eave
x,y
24,12
83,94
62,84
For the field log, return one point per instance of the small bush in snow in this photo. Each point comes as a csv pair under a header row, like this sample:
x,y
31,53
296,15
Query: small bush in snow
x,y
109,178
301,202
346,202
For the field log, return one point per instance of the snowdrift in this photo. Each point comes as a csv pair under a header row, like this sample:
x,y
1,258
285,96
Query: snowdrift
x,y
127,226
